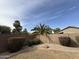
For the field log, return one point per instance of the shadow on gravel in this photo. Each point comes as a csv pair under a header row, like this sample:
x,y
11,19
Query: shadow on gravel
x,y
67,41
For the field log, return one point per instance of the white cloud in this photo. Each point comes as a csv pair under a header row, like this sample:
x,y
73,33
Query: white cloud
x,y
11,10
72,8
8,13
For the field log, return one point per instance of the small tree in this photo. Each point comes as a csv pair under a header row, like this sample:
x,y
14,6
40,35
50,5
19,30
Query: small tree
x,y
25,31
17,26
57,30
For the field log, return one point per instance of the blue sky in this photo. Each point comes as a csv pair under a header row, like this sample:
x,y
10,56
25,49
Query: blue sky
x,y
55,13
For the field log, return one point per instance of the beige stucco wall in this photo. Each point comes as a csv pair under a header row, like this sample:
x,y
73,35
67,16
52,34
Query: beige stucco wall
x,y
71,30
54,38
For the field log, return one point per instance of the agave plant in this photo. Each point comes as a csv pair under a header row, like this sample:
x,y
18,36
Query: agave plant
x,y
42,29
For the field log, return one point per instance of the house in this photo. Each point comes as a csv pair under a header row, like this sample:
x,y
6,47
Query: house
x,y
70,30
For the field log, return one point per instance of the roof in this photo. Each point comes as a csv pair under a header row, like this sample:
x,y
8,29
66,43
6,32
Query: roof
x,y
70,27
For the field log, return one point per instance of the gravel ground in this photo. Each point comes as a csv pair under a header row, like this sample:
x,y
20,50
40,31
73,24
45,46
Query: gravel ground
x,y
48,51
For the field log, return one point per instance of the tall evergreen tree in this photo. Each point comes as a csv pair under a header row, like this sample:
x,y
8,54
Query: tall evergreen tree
x,y
17,26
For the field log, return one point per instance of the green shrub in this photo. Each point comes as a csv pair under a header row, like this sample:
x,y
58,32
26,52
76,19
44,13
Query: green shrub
x,y
15,44
32,42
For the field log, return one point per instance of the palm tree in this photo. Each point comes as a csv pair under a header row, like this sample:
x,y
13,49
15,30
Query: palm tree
x,y
42,29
